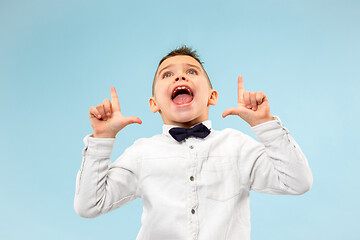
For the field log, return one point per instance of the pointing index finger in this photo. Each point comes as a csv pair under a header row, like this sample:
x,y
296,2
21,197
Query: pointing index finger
x,y
240,89
114,100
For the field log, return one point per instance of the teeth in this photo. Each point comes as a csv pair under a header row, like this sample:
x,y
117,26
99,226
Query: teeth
x,y
181,88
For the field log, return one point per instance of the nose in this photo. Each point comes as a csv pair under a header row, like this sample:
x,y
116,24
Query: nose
x,y
177,79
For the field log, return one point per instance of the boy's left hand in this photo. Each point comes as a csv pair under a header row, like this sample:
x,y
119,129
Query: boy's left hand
x,y
253,107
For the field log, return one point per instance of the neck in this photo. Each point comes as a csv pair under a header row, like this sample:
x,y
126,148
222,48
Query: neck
x,y
185,124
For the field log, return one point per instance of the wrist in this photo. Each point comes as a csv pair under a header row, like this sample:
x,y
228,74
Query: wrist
x,y
262,121
103,135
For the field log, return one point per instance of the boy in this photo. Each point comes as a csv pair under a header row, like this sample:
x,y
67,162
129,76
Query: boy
x,y
194,181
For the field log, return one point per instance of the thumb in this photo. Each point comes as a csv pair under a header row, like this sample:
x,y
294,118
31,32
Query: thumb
x,y
231,111
242,112
132,119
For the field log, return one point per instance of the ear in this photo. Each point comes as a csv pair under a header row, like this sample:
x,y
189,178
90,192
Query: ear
x,y
153,105
213,97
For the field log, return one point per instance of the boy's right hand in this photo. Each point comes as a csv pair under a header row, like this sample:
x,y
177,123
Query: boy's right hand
x,y
106,119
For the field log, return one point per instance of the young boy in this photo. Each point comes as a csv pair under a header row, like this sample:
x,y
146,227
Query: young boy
x,y
194,181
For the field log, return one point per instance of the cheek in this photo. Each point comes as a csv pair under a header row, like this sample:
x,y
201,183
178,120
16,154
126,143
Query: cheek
x,y
161,93
203,96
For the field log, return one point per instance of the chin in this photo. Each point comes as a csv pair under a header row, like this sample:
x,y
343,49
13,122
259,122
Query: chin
x,y
186,118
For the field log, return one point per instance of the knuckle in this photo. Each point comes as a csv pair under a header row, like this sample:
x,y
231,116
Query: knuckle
x,y
93,109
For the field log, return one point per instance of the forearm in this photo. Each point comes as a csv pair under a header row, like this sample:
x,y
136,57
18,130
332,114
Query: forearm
x,y
91,178
282,162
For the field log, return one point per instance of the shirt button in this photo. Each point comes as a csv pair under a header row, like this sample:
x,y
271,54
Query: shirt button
x,y
192,178
191,147
193,211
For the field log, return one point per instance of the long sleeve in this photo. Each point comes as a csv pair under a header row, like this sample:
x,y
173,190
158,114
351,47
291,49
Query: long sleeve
x,y
102,186
280,167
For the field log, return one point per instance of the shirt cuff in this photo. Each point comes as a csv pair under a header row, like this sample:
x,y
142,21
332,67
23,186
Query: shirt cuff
x,y
269,131
101,147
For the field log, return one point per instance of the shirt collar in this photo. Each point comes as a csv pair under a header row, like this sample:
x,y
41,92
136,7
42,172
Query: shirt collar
x,y
166,127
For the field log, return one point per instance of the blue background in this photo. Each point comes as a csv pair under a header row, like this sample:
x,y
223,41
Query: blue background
x,y
58,58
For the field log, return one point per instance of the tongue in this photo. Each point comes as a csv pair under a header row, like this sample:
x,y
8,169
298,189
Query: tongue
x,y
182,99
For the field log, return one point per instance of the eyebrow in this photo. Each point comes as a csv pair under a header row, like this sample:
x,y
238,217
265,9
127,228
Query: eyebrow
x,y
186,64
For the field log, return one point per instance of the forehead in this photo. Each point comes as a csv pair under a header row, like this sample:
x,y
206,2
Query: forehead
x,y
178,60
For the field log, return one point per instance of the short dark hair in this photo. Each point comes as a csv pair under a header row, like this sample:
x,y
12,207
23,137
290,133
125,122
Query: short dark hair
x,y
182,50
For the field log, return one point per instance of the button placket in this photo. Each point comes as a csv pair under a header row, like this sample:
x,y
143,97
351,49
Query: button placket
x,y
190,143
194,214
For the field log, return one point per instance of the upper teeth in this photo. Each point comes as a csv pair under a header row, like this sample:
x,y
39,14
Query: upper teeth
x,y
181,88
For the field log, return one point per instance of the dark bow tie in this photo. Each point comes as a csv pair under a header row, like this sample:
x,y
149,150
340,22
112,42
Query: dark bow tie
x,y
179,134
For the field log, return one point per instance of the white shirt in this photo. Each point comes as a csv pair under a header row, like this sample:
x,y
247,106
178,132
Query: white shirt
x,y
194,189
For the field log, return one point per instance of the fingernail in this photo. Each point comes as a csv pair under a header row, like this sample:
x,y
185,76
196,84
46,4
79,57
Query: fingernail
x,y
99,116
105,119
254,108
108,114
248,106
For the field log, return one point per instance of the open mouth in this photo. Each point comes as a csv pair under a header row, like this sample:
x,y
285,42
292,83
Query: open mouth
x,y
182,95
